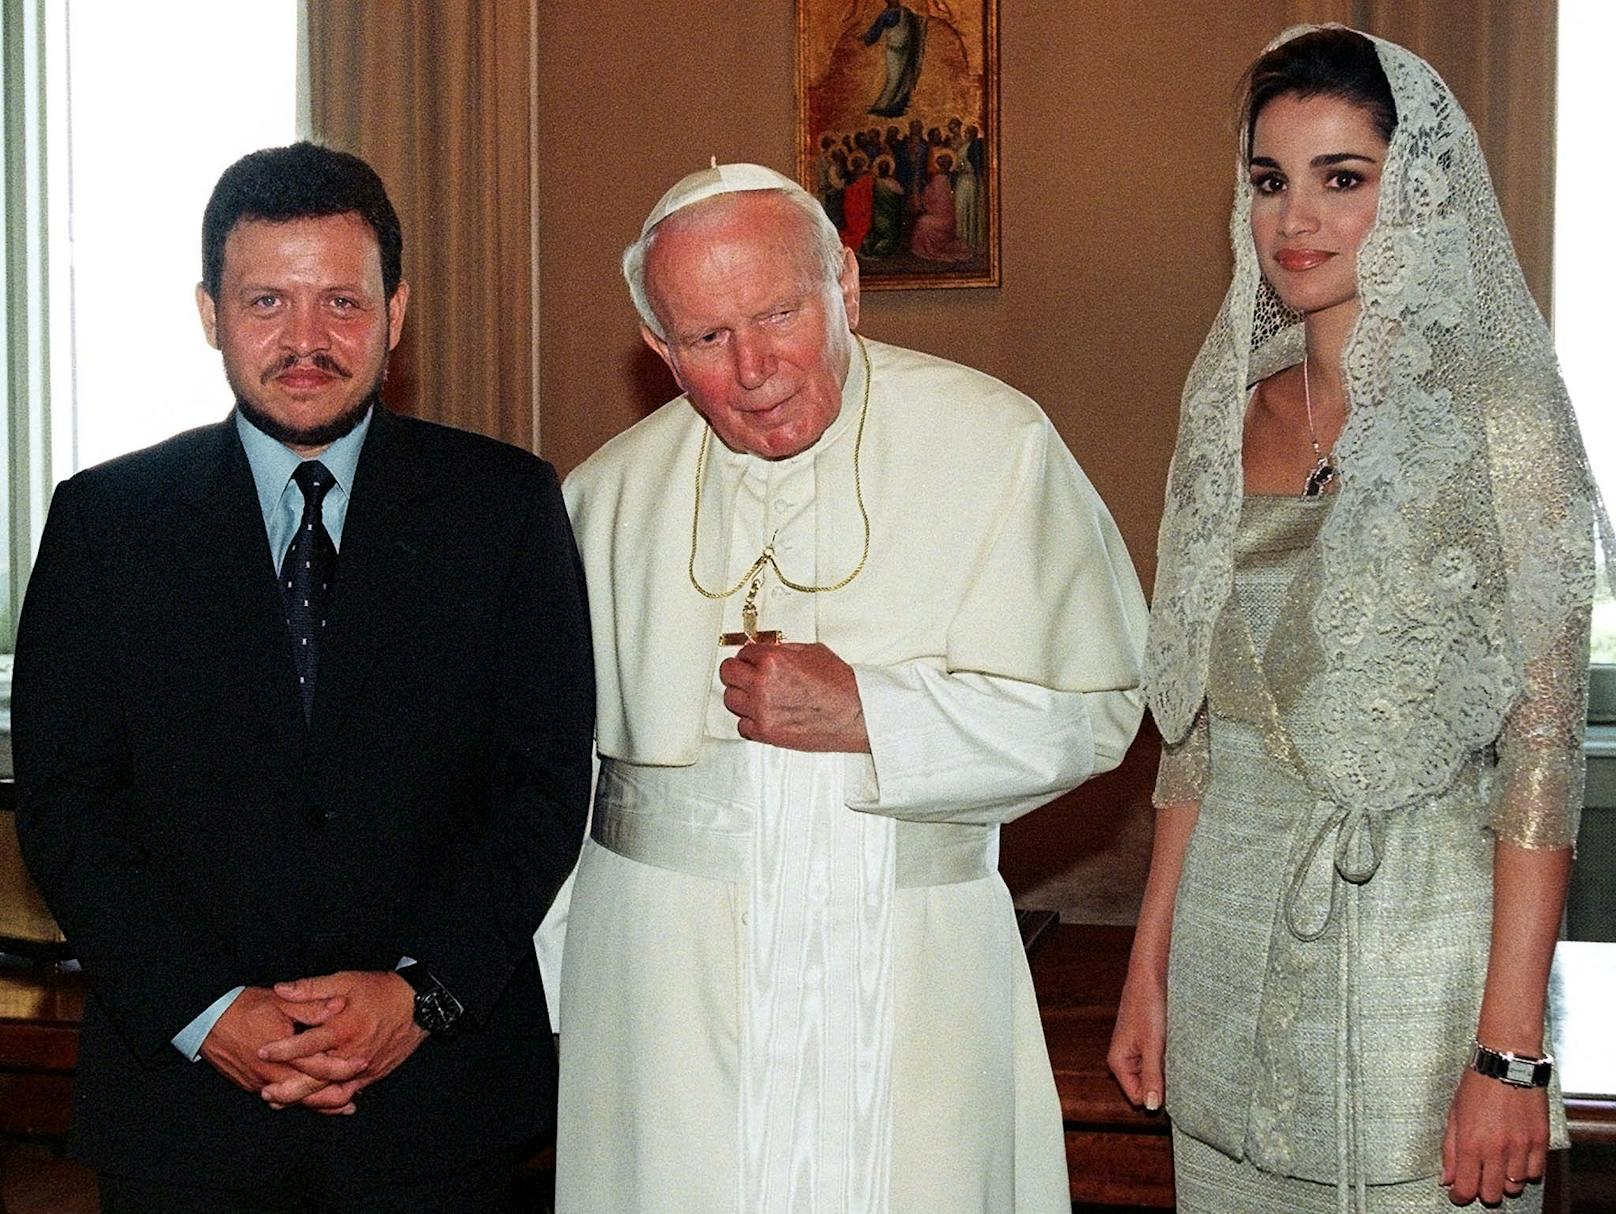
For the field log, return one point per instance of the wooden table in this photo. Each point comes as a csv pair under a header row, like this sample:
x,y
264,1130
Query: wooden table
x,y
40,1010
1120,1156
1116,1154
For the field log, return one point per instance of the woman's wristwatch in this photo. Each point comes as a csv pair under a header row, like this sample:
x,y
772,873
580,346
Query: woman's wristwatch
x,y
1506,1066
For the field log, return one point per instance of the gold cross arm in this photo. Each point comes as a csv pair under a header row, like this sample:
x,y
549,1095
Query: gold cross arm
x,y
749,619
767,636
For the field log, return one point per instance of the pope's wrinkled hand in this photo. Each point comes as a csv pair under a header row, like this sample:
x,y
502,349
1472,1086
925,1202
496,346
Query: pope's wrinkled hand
x,y
257,1017
800,697
376,1026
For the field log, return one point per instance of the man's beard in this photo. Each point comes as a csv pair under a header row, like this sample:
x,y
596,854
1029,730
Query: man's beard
x,y
327,432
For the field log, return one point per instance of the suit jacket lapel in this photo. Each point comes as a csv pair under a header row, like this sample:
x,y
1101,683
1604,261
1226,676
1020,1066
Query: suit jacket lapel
x,y
379,574
227,546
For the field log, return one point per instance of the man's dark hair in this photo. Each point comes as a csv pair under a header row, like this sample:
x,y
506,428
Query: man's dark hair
x,y
1328,62
302,181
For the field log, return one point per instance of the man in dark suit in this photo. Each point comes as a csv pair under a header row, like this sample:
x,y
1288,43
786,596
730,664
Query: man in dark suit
x,y
302,715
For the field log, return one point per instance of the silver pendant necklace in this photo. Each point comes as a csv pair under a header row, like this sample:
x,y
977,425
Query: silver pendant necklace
x,y
1324,471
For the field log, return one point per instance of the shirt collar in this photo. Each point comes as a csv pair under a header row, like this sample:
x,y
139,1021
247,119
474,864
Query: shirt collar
x,y
272,462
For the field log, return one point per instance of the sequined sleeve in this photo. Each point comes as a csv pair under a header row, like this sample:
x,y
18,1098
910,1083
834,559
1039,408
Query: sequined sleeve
x,y
1181,778
1538,796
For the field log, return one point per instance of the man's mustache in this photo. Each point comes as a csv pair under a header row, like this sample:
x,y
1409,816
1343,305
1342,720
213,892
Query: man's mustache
x,y
319,360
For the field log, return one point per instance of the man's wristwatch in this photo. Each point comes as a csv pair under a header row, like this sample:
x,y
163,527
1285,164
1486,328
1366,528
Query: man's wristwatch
x,y
436,1010
1517,1070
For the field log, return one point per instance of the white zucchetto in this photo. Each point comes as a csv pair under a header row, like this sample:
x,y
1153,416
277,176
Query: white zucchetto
x,y
713,181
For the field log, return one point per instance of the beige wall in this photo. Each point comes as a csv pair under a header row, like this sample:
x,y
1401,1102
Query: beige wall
x,y
1117,156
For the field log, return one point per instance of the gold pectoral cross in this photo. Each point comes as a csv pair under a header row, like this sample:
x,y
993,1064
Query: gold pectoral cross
x,y
749,618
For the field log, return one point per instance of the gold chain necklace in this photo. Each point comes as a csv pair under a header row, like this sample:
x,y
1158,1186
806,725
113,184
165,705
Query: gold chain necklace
x,y
1324,470
765,559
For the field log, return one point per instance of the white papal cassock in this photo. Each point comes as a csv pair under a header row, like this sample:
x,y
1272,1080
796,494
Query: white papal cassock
x,y
793,981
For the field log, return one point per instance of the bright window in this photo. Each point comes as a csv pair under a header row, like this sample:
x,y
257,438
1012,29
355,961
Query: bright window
x,y
116,119
160,99
1584,255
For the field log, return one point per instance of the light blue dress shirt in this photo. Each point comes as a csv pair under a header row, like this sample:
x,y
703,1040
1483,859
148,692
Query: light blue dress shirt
x,y
281,501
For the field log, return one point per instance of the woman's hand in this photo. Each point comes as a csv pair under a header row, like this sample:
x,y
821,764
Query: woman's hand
x,y
1498,1135
1140,1039
1496,1141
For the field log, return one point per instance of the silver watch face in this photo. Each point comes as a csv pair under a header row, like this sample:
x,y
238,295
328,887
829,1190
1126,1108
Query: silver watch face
x,y
1519,1072
436,1010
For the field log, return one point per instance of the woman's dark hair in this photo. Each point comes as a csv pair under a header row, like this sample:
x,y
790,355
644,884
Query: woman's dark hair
x,y
1322,63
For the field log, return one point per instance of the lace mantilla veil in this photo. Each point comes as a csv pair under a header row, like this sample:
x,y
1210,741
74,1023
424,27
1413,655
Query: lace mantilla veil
x,y
1457,560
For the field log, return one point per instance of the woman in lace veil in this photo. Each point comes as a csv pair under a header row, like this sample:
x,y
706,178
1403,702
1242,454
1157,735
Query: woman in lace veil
x,y
1368,661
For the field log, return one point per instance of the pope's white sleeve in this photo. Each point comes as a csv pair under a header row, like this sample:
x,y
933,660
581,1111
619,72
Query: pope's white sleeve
x,y
977,748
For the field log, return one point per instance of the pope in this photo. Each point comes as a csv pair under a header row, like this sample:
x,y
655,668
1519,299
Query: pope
x,y
853,607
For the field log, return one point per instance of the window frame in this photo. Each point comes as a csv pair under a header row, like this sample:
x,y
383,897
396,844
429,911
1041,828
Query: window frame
x,y
1602,694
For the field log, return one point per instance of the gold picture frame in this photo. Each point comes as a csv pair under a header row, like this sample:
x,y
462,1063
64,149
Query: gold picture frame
x,y
898,135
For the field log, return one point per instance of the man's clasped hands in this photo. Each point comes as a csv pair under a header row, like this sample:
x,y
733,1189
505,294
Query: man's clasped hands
x,y
316,1042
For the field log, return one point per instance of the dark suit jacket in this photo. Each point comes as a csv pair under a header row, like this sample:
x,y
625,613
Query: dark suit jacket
x,y
192,833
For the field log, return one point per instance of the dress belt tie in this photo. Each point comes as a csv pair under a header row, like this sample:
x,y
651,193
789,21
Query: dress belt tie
x,y
1348,824
1350,1186
1352,828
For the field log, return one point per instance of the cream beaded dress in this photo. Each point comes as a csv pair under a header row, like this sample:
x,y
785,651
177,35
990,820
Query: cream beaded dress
x,y
1326,974
1363,692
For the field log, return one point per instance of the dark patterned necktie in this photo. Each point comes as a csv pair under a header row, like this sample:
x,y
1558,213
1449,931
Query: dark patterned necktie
x,y
306,577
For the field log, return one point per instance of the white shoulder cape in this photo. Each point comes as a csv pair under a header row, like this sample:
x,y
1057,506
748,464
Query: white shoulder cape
x,y
990,552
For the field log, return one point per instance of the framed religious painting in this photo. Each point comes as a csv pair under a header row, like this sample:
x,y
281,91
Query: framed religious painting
x,y
898,135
